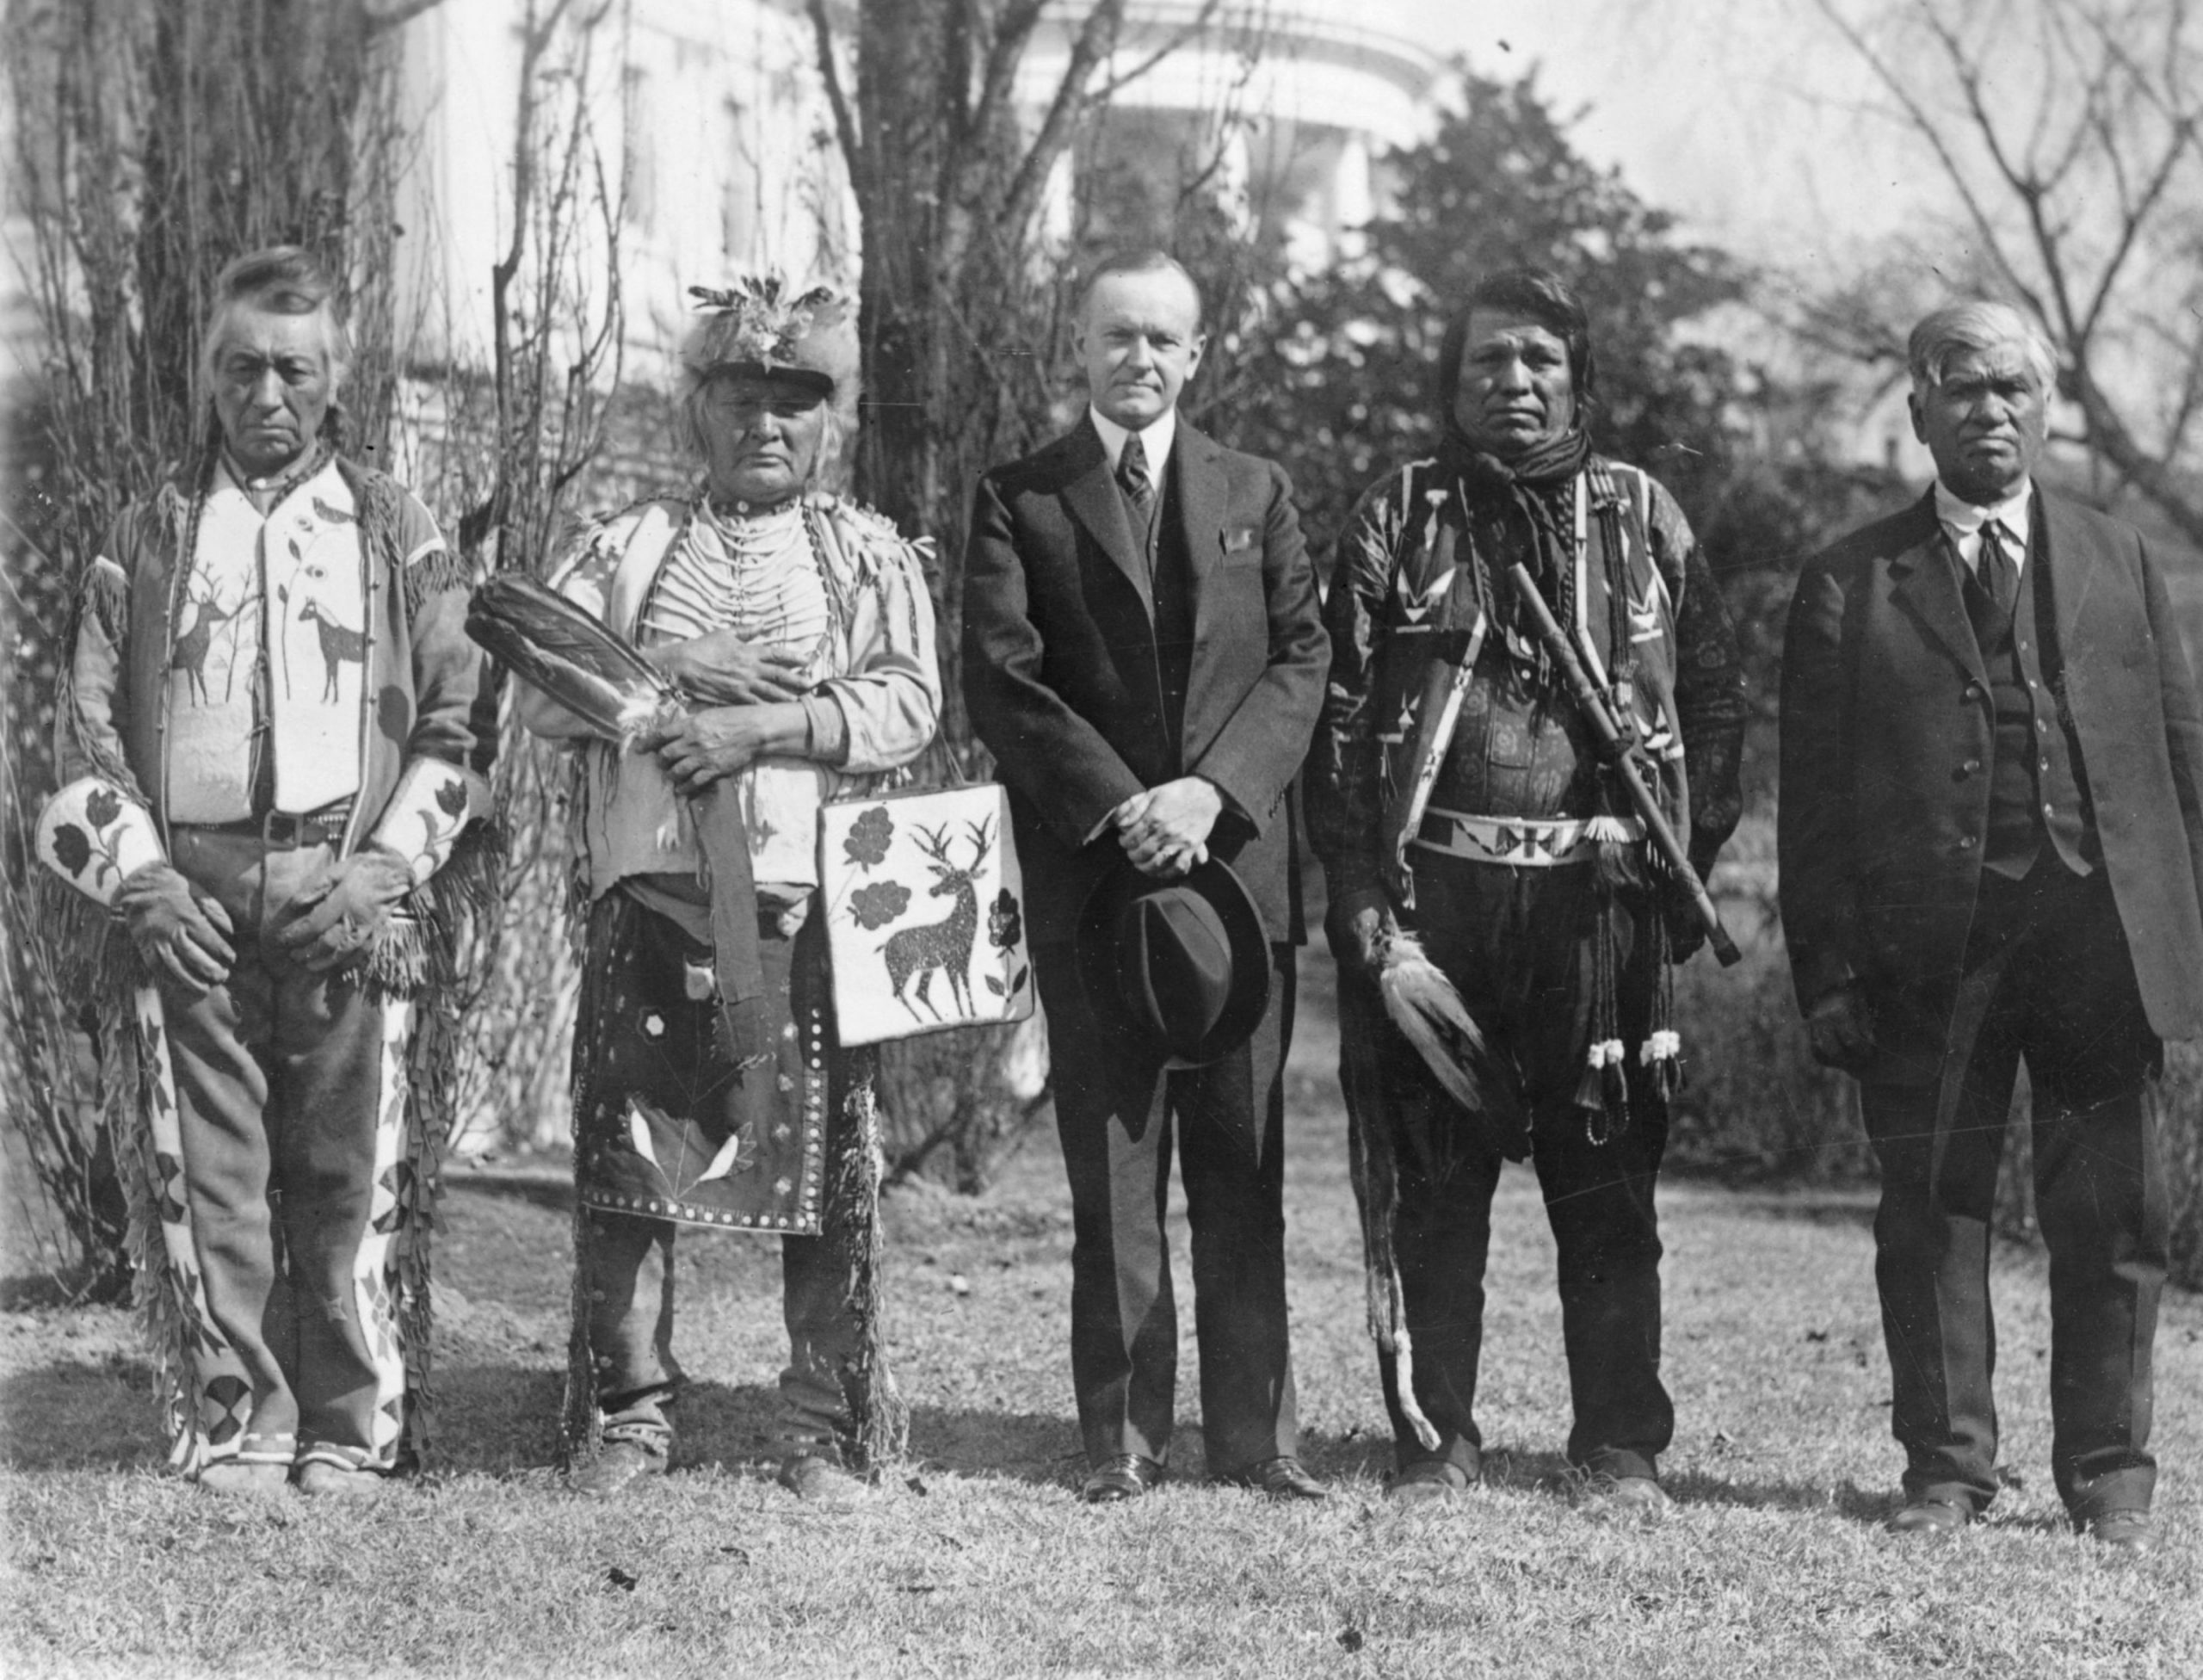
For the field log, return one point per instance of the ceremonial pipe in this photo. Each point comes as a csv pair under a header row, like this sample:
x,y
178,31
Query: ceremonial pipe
x,y
1617,748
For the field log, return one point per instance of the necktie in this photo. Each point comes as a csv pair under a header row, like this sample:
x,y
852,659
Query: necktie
x,y
1991,587
1993,565
1132,475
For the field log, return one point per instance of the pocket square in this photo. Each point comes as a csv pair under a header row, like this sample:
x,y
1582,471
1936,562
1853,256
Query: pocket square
x,y
1238,539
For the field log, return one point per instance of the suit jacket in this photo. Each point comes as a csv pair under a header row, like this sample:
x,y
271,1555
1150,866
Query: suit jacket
x,y
1887,736
1065,683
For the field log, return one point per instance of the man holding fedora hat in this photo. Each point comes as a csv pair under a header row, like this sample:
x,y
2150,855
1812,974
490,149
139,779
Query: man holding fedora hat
x,y
1144,656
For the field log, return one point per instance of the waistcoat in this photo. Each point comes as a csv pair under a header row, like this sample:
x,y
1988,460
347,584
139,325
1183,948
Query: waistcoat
x,y
2037,789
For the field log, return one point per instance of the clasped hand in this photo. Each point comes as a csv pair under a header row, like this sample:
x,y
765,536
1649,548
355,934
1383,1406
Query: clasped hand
x,y
1841,1027
720,741
728,670
179,931
1165,830
338,919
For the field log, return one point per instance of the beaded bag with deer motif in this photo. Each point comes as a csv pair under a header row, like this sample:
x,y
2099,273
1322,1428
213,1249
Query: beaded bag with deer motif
x,y
925,913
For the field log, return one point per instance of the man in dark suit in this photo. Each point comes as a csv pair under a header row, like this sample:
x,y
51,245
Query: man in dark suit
x,y
1144,657
1991,842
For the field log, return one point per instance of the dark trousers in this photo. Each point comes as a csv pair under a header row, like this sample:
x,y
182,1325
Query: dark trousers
x,y
1116,1105
1517,945
286,1082
640,996
627,1265
2049,972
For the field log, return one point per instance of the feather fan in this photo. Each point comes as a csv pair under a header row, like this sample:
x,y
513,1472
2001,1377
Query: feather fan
x,y
570,656
1431,1017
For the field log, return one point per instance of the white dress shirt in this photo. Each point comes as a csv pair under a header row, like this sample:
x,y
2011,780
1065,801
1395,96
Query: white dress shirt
x,y
1155,439
1963,520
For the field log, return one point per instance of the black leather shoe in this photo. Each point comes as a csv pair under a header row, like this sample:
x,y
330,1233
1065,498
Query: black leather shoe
x,y
1126,1476
2124,1531
1930,1516
617,1464
1634,1499
1278,1478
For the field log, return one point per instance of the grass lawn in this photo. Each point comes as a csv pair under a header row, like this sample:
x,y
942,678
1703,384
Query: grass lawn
x,y
975,1560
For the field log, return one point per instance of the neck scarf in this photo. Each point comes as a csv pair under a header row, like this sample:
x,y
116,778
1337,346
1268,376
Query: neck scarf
x,y
1528,498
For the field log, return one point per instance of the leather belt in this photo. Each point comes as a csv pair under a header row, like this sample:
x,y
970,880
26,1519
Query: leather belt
x,y
1523,842
283,831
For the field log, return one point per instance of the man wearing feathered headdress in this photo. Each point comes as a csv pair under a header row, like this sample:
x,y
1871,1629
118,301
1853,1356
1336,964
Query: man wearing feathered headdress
x,y
1457,798
273,739
792,639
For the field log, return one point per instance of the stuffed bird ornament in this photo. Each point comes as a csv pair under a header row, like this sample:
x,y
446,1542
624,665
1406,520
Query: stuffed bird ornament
x,y
1430,1014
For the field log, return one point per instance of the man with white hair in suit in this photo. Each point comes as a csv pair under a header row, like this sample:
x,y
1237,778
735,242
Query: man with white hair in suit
x,y
1991,839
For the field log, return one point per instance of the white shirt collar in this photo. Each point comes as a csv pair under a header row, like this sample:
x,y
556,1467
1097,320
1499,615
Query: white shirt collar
x,y
1155,437
1963,520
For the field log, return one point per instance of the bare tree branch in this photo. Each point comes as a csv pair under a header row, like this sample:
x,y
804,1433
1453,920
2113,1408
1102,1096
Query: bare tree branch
x,y
854,156
1096,40
1186,34
2088,223
1013,31
391,13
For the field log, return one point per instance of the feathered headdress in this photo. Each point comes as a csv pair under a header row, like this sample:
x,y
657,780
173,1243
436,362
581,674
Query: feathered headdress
x,y
765,326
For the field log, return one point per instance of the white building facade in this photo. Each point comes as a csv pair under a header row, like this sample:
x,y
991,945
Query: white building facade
x,y
711,124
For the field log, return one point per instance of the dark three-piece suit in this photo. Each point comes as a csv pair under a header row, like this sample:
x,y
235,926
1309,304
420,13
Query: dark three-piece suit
x,y
1992,828
1097,665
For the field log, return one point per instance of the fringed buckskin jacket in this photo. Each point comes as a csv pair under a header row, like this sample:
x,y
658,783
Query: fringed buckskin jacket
x,y
415,759
427,711
1413,539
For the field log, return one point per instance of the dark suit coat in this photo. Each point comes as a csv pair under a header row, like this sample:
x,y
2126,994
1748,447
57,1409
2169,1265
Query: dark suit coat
x,y
1887,735
1065,686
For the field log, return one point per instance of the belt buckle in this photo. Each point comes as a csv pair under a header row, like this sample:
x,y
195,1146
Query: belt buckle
x,y
282,830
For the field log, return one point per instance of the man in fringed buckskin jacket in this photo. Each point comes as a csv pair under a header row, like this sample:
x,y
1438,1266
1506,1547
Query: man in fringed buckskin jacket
x,y
273,740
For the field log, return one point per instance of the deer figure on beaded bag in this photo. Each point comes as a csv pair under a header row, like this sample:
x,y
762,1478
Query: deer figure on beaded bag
x,y
946,944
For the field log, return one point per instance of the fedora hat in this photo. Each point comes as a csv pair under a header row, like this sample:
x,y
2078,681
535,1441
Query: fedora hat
x,y
1182,965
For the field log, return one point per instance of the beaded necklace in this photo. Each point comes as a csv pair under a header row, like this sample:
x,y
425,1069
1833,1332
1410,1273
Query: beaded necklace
x,y
756,572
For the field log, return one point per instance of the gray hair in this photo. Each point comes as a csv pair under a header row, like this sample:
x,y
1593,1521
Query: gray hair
x,y
285,279
1975,324
830,470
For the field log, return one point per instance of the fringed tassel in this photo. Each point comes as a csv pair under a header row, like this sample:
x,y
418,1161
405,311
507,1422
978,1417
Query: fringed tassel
x,y
102,602
94,959
581,1423
880,1420
432,1061
434,574
105,601
875,1403
1602,1092
417,952
162,1321
1662,1053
